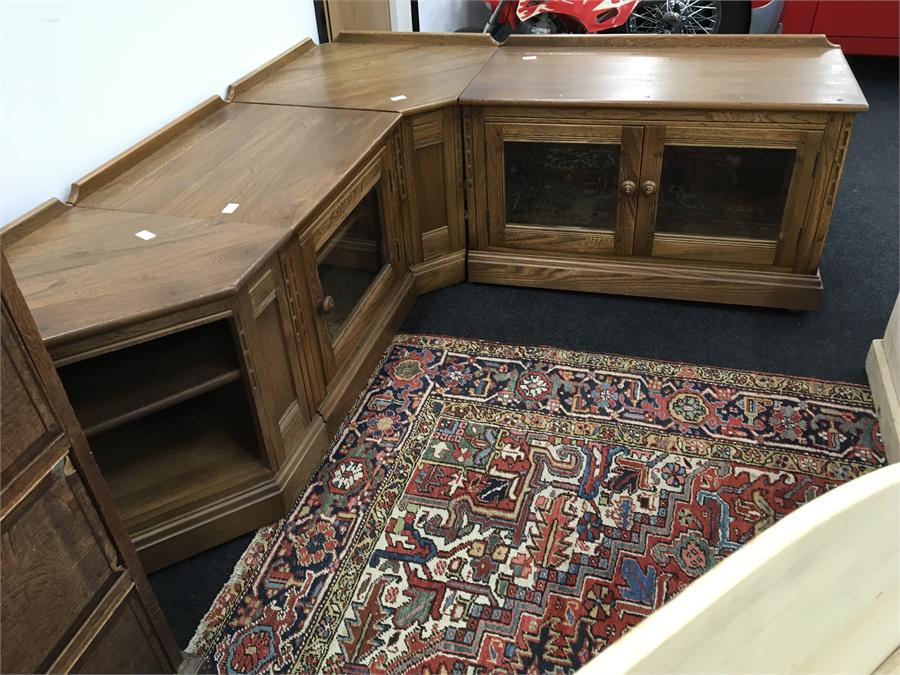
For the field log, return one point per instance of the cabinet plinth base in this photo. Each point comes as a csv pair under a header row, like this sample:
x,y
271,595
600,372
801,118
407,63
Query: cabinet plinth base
x,y
234,513
444,271
649,279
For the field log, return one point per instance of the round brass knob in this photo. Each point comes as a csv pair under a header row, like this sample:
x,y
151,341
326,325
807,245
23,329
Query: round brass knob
x,y
629,187
648,187
326,306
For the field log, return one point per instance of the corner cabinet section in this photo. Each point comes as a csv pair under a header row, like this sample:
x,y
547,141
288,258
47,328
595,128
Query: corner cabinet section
x,y
433,194
725,207
353,271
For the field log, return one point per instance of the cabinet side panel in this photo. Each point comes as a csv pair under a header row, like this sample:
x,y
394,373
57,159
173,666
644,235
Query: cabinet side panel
x,y
56,561
126,644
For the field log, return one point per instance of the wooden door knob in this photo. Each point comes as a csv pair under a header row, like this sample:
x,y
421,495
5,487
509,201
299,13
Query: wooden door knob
x,y
326,306
648,187
629,187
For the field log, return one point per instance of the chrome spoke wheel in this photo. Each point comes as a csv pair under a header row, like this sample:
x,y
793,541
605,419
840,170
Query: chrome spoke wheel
x,y
700,17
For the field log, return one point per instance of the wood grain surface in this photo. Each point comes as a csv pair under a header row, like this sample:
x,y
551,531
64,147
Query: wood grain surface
x,y
727,73
277,163
86,270
371,72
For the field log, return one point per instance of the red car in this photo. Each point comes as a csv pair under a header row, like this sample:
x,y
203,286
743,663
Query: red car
x,y
858,26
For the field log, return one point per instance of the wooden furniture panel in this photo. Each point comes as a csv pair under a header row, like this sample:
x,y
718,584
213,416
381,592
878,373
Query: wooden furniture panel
x,y
649,278
432,149
28,423
125,644
84,271
57,561
399,72
276,163
345,15
356,287
65,557
703,72
266,325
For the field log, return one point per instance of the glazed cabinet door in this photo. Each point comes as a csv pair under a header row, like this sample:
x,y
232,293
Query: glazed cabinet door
x,y
562,187
726,195
353,258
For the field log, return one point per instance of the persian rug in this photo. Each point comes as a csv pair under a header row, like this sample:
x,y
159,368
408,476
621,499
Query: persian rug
x,y
489,507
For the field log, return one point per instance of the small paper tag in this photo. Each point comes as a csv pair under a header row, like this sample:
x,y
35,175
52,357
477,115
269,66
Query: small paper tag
x,y
529,58
401,97
144,234
231,208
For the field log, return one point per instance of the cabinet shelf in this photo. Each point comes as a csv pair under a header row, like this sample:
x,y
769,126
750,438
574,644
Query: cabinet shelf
x,y
124,386
182,458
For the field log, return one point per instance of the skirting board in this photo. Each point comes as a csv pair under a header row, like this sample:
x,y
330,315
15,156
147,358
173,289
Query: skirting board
x,y
687,281
884,395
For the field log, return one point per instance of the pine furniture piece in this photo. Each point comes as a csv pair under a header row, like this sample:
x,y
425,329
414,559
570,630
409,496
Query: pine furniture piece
x,y
418,75
75,598
216,297
701,168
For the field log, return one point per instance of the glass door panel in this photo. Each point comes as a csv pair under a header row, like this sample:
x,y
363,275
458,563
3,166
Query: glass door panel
x,y
561,184
350,261
725,195
562,187
724,192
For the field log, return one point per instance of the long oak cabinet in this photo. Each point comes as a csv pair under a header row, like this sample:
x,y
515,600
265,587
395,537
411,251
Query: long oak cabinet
x,y
665,168
215,298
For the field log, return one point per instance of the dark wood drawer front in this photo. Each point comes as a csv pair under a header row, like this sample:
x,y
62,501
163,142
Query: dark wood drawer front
x,y
57,562
28,423
125,644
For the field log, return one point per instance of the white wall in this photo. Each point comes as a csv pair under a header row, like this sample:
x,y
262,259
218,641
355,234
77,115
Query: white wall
x,y
445,16
81,80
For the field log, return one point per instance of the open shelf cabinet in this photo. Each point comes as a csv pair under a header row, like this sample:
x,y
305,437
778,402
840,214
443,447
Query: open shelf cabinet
x,y
126,385
181,458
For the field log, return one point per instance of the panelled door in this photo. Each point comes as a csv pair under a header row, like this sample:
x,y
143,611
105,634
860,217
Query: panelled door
x,y
722,194
562,187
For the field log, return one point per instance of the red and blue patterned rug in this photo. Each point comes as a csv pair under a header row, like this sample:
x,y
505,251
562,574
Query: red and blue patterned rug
x,y
508,508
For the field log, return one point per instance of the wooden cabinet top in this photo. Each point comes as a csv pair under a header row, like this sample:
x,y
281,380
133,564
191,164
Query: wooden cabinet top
x,y
263,164
400,72
753,72
84,270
